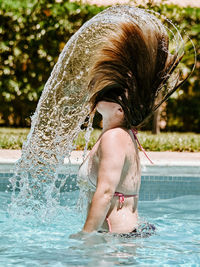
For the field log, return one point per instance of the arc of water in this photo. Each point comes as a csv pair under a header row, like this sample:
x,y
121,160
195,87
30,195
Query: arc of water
x,y
63,107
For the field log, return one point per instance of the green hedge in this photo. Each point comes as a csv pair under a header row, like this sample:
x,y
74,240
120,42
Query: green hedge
x,y
32,37
33,33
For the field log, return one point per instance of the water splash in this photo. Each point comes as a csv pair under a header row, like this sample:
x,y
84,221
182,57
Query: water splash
x,y
62,109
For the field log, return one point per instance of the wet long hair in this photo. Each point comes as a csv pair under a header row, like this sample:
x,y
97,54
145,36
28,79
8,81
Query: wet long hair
x,y
131,67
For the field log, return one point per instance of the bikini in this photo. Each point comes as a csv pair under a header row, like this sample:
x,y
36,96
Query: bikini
x,y
142,231
121,201
83,171
116,194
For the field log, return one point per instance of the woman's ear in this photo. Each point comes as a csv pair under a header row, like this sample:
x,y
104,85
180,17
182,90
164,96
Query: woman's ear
x,y
120,109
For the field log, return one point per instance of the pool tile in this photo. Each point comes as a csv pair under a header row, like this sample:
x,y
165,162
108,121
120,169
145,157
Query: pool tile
x,y
152,187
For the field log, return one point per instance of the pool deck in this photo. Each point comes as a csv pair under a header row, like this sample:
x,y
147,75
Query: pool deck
x,y
159,158
184,3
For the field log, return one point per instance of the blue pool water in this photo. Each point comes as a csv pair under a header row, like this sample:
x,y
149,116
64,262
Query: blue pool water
x,y
28,242
32,242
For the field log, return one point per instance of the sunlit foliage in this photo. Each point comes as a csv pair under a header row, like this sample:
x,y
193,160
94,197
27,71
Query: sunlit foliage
x,y
32,35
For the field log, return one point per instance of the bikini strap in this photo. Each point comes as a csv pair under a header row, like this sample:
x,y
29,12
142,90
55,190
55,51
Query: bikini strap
x,y
121,201
122,197
135,132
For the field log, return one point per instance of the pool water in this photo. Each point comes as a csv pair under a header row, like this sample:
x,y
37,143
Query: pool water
x,y
30,242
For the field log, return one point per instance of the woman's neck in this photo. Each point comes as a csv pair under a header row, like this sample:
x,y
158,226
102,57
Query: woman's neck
x,y
110,124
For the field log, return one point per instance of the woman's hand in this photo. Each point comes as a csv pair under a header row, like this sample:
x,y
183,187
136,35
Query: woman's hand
x,y
80,235
90,239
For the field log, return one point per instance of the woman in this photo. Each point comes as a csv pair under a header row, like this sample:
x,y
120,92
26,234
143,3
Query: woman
x,y
113,172
129,71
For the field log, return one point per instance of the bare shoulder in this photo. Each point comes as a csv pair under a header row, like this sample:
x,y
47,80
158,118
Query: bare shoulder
x,y
115,133
114,139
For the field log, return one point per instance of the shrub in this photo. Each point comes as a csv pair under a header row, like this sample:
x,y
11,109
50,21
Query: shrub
x,y
32,37
33,33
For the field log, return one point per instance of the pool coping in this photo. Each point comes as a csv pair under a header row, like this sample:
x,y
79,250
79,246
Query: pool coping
x,y
165,163
8,156
170,171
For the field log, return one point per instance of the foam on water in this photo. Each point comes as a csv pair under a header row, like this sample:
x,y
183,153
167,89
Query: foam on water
x,y
63,107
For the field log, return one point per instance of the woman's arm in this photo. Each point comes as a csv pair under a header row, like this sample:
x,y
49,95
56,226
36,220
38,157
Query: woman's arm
x,y
111,161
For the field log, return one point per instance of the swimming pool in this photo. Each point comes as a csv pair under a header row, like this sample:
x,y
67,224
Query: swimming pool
x,y
170,202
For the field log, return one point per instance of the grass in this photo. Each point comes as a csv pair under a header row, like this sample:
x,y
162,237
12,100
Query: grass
x,y
11,138
189,142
